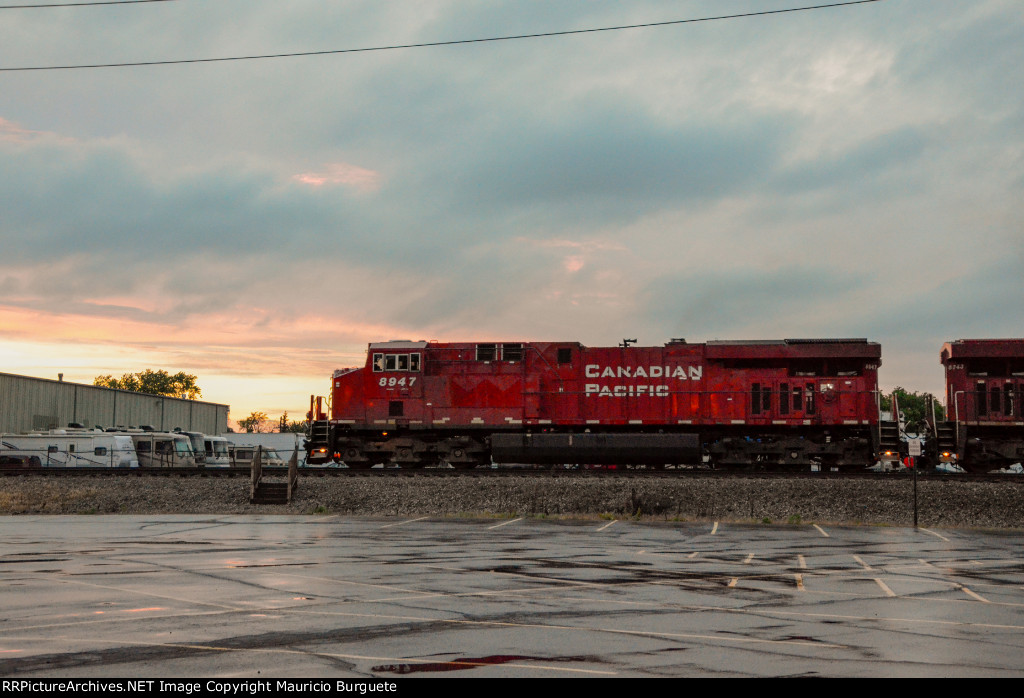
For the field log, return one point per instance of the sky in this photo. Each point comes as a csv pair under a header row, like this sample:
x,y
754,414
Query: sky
x,y
844,172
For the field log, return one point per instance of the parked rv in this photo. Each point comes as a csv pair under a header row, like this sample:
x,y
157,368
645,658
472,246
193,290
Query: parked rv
x,y
217,455
285,444
71,448
210,451
159,449
242,456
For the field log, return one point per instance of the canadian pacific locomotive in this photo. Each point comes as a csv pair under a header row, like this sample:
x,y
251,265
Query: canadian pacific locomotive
x,y
792,402
984,427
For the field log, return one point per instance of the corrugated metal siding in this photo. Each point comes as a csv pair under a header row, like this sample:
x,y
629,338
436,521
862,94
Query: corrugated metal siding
x,y
28,403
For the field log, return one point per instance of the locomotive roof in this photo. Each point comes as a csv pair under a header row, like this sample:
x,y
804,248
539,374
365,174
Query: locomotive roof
x,y
398,344
854,340
852,347
793,348
982,348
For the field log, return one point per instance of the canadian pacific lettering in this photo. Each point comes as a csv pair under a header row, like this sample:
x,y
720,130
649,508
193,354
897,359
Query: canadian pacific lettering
x,y
677,373
682,373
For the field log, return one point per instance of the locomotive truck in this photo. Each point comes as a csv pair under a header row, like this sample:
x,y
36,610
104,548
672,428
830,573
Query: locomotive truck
x,y
790,402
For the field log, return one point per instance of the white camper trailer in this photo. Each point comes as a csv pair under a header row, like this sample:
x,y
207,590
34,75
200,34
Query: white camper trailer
x,y
159,449
72,448
210,451
217,455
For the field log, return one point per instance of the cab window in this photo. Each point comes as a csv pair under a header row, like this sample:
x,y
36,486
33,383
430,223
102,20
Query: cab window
x,y
396,362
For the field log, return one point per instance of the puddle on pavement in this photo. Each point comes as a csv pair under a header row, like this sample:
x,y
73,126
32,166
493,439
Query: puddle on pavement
x,y
464,663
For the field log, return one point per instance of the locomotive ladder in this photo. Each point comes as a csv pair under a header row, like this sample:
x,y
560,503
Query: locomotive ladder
x,y
319,434
889,437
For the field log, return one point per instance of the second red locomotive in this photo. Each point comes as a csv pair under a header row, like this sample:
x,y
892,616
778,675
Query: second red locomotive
x,y
984,427
795,402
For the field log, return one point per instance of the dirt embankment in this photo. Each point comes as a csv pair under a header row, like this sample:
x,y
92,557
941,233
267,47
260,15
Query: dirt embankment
x,y
946,502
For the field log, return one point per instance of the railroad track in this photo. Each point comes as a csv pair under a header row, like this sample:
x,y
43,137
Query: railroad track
x,y
536,472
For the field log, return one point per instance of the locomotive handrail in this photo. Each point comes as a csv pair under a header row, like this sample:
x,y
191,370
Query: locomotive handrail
x,y
956,412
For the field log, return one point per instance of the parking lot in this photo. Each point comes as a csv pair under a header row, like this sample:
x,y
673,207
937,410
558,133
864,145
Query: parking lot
x,y
248,596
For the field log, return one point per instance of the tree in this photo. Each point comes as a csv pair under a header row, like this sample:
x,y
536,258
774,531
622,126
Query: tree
x,y
253,422
284,425
915,408
181,384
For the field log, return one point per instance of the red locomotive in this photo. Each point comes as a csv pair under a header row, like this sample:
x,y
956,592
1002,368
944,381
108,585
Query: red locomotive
x,y
984,427
793,402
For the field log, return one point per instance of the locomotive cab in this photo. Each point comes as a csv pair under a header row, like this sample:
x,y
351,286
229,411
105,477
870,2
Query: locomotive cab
x,y
984,427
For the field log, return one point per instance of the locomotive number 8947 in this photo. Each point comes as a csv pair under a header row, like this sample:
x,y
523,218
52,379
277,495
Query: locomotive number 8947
x,y
790,402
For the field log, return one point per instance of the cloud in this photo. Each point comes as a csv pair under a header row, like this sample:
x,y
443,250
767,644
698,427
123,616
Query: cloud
x,y
342,173
782,302
11,132
820,173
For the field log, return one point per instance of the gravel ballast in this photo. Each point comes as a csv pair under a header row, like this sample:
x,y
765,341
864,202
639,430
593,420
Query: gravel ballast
x,y
944,502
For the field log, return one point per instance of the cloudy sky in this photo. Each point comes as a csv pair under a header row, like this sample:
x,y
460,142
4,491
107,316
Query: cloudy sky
x,y
845,172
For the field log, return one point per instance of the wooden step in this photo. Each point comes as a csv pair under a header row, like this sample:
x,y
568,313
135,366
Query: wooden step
x,y
271,493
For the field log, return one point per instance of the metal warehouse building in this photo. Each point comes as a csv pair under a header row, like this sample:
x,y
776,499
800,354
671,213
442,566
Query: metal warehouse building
x,y
31,404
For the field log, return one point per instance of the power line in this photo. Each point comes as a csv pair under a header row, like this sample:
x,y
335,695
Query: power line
x,y
78,4
445,43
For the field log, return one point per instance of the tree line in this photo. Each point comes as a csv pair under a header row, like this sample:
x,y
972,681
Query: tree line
x,y
184,385
181,385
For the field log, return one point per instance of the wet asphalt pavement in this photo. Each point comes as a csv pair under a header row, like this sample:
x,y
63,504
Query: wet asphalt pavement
x,y
305,596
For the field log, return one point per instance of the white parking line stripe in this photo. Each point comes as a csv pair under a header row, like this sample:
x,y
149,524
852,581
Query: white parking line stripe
x,y
885,587
714,528
142,592
821,531
862,563
973,595
749,558
614,521
799,582
505,523
401,523
801,561
935,534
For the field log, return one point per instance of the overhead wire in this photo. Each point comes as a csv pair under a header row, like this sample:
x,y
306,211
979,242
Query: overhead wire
x,y
454,42
78,4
